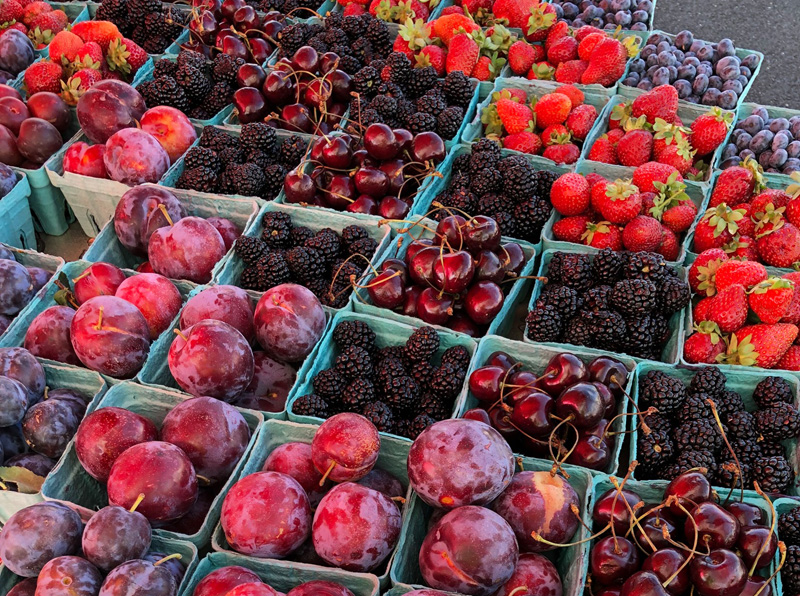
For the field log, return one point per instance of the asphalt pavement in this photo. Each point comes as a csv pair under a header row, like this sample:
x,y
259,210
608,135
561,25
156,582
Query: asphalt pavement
x,y
769,26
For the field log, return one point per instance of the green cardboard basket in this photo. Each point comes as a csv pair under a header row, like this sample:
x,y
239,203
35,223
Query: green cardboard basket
x,y
58,376
671,351
571,562
783,506
71,484
535,359
392,458
16,222
387,332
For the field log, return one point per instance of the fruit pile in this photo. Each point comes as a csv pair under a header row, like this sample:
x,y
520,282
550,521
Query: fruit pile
x,y
620,302
399,388
240,581
528,408
509,190
254,163
356,521
635,15
326,262
391,11
684,433
647,214
38,20
656,554
649,129
454,279
18,284
788,528
533,17
148,23
31,130
545,125
773,142
710,74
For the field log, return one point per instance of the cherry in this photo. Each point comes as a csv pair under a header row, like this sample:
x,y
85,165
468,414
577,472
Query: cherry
x,y
613,559
250,75
386,290
611,508
260,48
461,324
609,403
750,541
482,233
336,152
299,187
416,246
317,95
246,18
205,27
500,359
278,87
747,514
488,267
229,7
532,413
410,300
512,257
720,573
297,117
250,105
502,423
362,158
428,146
434,308
562,371
341,85
485,383
450,229
363,204
393,208
582,404
691,488
753,585
328,62
372,181
610,591
483,302
404,138
452,272
421,264
643,583
652,528
609,371
665,563
233,46
717,527
477,414
306,58
380,142
590,452
394,171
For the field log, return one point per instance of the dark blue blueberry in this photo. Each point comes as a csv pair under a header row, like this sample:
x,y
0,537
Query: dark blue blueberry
x,y
743,141
618,5
743,80
714,82
661,76
710,97
631,80
777,124
693,98
725,47
673,73
578,23
651,60
730,162
652,70
794,121
793,149
762,140
781,140
679,55
696,45
745,153
700,84
597,22
684,88
705,68
622,18
745,72
792,165
663,46
656,38
647,50
645,84
639,27
610,18
684,40
691,61
764,158
728,100
762,111
779,157
706,52
735,86
687,72
605,5
570,10
753,124
666,58
637,65
640,16
751,61
646,5
610,26
729,151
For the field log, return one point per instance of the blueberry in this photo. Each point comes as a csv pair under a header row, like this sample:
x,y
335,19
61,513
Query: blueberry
x,y
661,76
762,111
705,68
664,46
751,61
795,123
631,80
792,165
761,141
673,73
743,142
640,16
610,18
745,72
710,97
696,45
622,18
652,70
725,47
637,66
779,124
764,158
753,124
780,140
651,60
693,98
684,39
691,61
655,39
578,23
727,68
684,88
596,22
620,5
645,84
730,162
639,27
700,84
559,12
691,54
778,158
735,86
584,4
679,55
714,82
646,5
705,53
605,5
745,153
729,151
570,10
728,100
687,72
743,80
647,50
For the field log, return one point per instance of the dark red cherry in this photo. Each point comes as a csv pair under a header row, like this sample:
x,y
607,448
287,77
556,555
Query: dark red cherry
x,y
205,27
609,403
665,563
532,413
336,153
364,204
750,542
452,272
610,372
512,257
393,169
643,583
717,527
433,307
396,265
448,232
372,181
486,382
652,528
250,75
278,87
428,146
249,104
234,46
483,302
245,19
260,49
613,559
691,488
590,452
747,514
720,573
416,246
477,414
380,142
562,371
420,265
501,359
386,289
328,62
317,95
298,187
502,423
306,58
229,8
488,267
461,324
482,233
754,586
410,300
610,508
404,138
297,117
393,208
581,404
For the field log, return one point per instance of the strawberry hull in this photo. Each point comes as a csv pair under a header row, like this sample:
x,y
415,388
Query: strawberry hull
x,y
75,14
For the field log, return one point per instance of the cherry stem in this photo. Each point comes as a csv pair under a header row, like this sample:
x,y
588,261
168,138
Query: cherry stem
x,y
507,420
556,465
651,410
137,502
327,472
205,480
577,513
400,500
167,558
694,545
771,578
618,494
634,519
99,325
166,214
774,516
3,486
738,474
608,433
180,334
538,537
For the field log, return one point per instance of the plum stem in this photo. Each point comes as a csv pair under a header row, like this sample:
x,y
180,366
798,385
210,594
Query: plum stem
x,y
774,516
137,502
167,558
3,486
517,590
205,480
166,213
99,325
738,473
518,461
771,578
180,334
327,473
85,273
400,500
46,391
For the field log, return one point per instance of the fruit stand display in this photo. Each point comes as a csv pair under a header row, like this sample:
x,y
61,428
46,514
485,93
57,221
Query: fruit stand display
x,y
472,297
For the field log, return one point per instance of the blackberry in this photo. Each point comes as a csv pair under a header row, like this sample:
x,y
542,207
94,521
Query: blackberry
x,y
607,267
419,424
431,103
485,146
292,38
327,242
790,572
639,339
258,135
729,403
448,122
578,333
607,328
354,362
318,45
565,299
366,81
446,381
458,356
709,380
388,369
349,64
380,415
220,96
422,344
434,407
492,203
329,384
336,38
772,390
299,235
354,333
216,139
250,249
385,106
645,265
362,50
197,157
420,81
397,352
655,451
506,222
657,422
225,68
293,149
779,422
305,264
667,394
354,27
310,405
571,269
378,35
194,83
789,527
273,271
352,233
164,67
421,122
458,89
200,179
769,449
165,91
531,216
247,179
741,425
692,459
461,199
231,156
199,113
773,474
633,297
660,329
728,474
358,394
277,229
333,20
597,298
422,372
274,176
488,181
673,295
519,178
398,68
543,323
249,278
698,434
695,408
191,58
747,451
399,394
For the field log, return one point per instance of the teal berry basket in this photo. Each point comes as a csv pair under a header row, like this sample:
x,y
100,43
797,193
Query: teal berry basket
x,y
670,351
69,483
743,381
388,333
16,221
58,376
783,506
75,11
535,359
571,561
392,458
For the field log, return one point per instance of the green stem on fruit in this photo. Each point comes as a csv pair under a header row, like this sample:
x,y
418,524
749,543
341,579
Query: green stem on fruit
x,y
3,486
715,413
180,334
85,273
99,325
774,519
327,473
771,578
165,212
137,502
167,558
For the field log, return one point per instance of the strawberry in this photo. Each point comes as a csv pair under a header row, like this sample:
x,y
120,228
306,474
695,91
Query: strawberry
x,y
103,32
620,203
10,10
728,308
462,54
571,71
515,116
648,202
580,121
737,184
552,108
767,202
570,194
704,345
588,44
583,32
770,299
562,151
702,273
792,212
746,273
620,114
521,57
484,70
563,50
90,55
778,247
678,155
524,142
746,225
603,151
790,360
552,134
660,102
15,27
64,47
642,233
570,229
43,76
434,56
716,228
575,95
511,93
680,217
665,134
760,345
354,9
634,149
709,130
451,10
670,247
33,10
594,178
700,310
541,71
537,22
606,63
53,21
447,27
602,234
126,56
382,9
78,84
742,247
412,37
478,7
555,34
646,175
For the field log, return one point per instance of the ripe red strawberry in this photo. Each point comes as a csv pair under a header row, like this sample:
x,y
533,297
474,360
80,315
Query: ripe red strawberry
x,y
709,130
768,202
33,10
716,228
570,194
742,247
563,50
555,34
43,76
620,203
746,273
576,96
562,151
728,308
400,43
660,102
635,148
702,273
583,32
432,56
700,310
704,345
516,12
670,247
603,151
770,299
511,93
16,27
64,47
737,184
790,360
462,54
620,114
665,135
484,70
10,10
746,225
646,175
680,217
602,234
598,190
552,108
515,116
642,233
103,32
44,26
521,56
524,142
354,9
126,56
594,178
588,44
447,27
552,134
571,71
90,55
779,247
580,121
792,314
648,202
537,22
792,212
677,155
606,63
615,135
570,229
760,345
78,84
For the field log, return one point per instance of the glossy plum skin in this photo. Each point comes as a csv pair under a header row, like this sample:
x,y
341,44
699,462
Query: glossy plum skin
x,y
114,535
107,107
39,277
80,575
229,304
319,587
155,296
355,527
289,322
35,462
16,287
211,358
139,578
98,279
86,160
138,215
253,589
119,347
13,401
105,434
540,502
174,566
383,482
345,447
171,128
227,229
27,587
537,574
221,581
188,249
161,472
476,542
50,425
49,335
21,365
270,387
213,434
294,459
459,462
26,546
266,514
134,156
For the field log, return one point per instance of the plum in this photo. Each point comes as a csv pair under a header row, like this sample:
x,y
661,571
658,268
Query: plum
x,y
471,550
27,587
13,113
536,574
33,462
270,386
16,51
139,578
319,587
168,562
161,472
191,522
211,358
49,106
16,287
266,514
140,212
98,279
114,535
229,304
85,160
155,296
134,156
539,502
294,459
110,336
258,588
38,140
39,277
383,482
188,249
459,462
171,128
50,425
68,575
221,581
107,107
213,434
345,447
289,322
8,180
37,534
105,434
9,152
9,91
227,229
12,441
20,364
13,401
5,323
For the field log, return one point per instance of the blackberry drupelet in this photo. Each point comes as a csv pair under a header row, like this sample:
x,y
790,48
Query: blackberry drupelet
x,y
597,298
698,434
789,527
349,64
305,264
519,177
418,424
607,267
259,135
221,95
770,448
746,450
354,362
661,391
194,83
300,234
645,265
200,179
310,405
709,380
633,297
531,217
694,459
165,91
772,390
458,89
461,199
695,408
225,67
673,295
191,58
421,122
354,333
446,381
293,149
578,332
197,157
398,68
329,384
397,352
318,44
773,474
790,572
380,415
420,81
779,422
354,27
434,407
488,148
741,425
543,323
565,299
250,249
277,229
660,328
273,271
274,176
422,372
448,122
422,344
400,394
366,82
639,339
327,242
292,38
571,269
655,452
607,328
358,394
216,139
458,356
352,233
